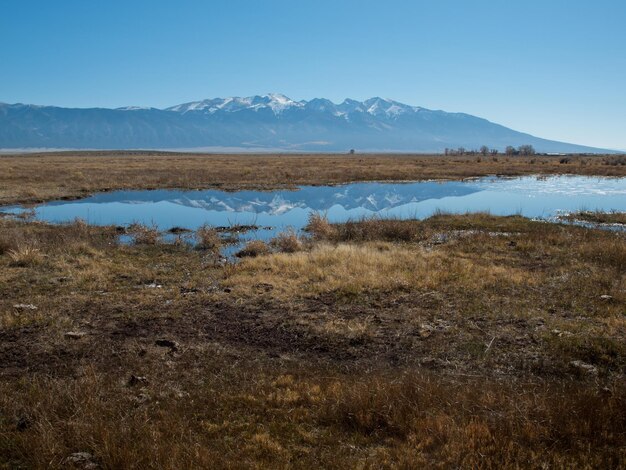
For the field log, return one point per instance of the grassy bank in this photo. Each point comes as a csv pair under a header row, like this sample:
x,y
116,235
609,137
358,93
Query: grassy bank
x,y
473,341
598,217
40,177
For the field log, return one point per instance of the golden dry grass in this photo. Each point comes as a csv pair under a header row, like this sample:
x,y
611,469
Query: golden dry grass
x,y
457,342
351,269
25,255
311,419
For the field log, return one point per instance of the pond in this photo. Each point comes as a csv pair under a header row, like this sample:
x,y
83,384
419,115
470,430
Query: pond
x,y
273,211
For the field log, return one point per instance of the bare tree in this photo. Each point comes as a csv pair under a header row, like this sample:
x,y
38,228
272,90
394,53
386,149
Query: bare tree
x,y
526,150
510,150
484,150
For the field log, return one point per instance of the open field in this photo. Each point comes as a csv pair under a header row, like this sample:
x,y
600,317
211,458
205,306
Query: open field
x,y
459,341
39,177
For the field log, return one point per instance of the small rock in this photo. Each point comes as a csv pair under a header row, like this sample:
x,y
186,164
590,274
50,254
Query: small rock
x,y
75,334
142,398
153,285
560,333
167,343
426,330
583,367
512,243
24,307
82,460
136,380
228,290
606,297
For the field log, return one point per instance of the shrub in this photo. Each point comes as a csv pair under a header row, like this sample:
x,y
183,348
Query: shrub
x,y
144,235
208,238
287,242
615,160
319,226
253,248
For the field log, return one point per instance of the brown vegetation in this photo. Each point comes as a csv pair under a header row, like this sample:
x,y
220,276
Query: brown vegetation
x,y
598,217
287,242
40,177
208,238
253,249
466,341
145,235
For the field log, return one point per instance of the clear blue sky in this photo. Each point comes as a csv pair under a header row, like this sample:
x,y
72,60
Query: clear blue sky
x,y
554,68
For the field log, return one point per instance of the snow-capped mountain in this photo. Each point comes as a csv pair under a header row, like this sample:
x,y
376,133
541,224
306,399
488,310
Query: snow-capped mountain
x,y
278,103
271,122
273,101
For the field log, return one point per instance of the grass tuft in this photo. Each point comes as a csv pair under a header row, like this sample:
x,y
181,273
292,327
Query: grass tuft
x,y
287,242
25,255
319,226
145,235
253,249
208,238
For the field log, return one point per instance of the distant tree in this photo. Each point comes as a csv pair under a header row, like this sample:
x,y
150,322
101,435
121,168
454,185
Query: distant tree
x,y
526,150
493,151
351,151
510,150
461,151
446,151
484,150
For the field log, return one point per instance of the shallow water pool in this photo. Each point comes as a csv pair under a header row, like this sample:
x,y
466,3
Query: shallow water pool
x,y
274,211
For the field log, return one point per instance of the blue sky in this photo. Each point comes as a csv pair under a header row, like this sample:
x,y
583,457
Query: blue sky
x,y
553,68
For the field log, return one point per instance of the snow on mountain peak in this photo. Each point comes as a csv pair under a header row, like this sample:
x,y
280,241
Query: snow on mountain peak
x,y
278,103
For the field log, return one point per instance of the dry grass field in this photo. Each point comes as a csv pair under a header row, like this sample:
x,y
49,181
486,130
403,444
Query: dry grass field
x,y
32,178
456,342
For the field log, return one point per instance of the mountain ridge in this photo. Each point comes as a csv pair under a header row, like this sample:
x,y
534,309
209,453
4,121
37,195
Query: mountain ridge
x,y
272,121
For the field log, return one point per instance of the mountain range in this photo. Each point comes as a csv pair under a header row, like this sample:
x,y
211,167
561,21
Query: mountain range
x,y
270,122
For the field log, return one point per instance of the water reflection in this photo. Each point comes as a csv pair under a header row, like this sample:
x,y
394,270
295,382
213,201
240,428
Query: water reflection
x,y
534,197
